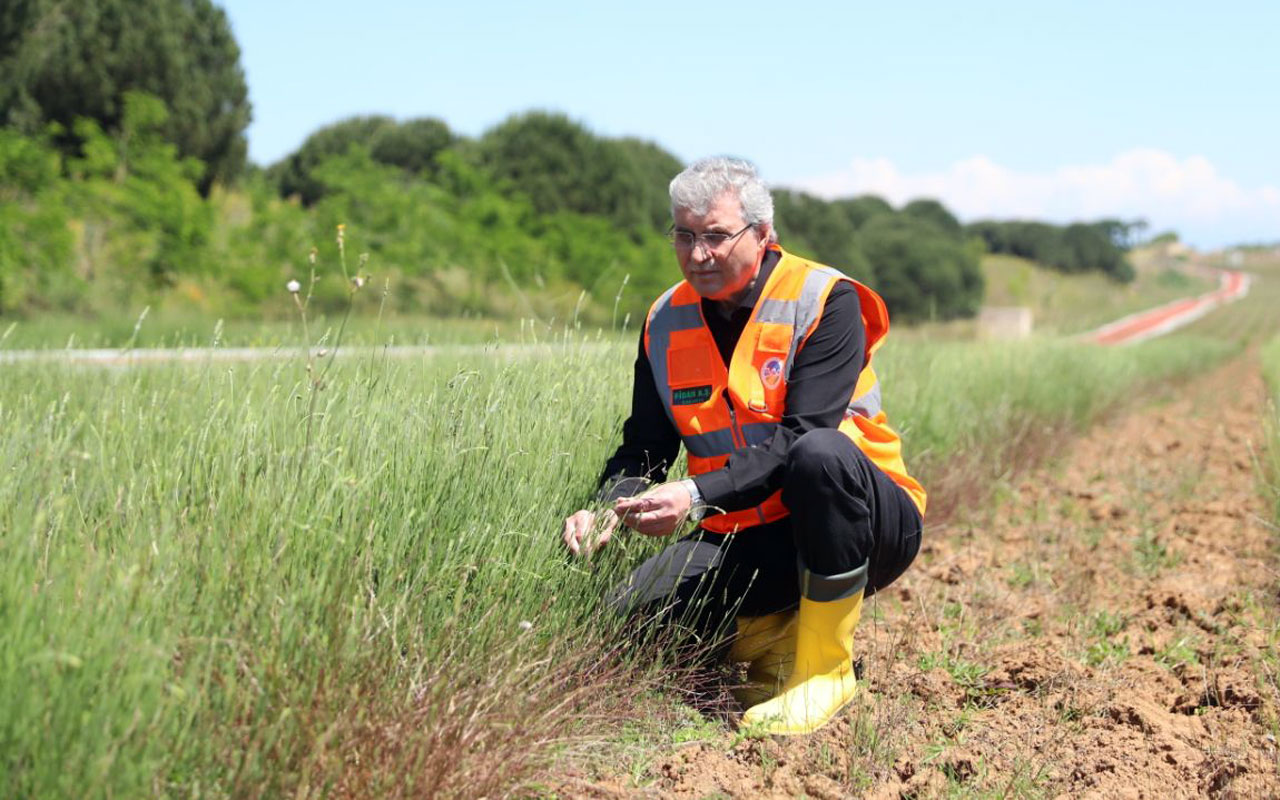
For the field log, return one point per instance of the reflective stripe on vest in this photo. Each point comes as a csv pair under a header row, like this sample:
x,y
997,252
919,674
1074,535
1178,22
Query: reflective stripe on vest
x,y
868,404
664,319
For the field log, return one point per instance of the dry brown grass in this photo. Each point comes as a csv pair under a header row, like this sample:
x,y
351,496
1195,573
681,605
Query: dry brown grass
x,y
497,730
470,733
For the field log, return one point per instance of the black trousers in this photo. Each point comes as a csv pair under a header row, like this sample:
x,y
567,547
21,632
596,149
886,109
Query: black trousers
x,y
844,512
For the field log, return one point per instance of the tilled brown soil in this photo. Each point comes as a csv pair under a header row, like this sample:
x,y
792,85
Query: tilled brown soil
x,y
1109,629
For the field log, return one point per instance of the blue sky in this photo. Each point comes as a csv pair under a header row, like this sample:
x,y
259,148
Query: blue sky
x,y
1168,110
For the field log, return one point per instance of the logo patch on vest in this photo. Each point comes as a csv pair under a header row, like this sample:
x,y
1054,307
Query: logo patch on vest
x,y
771,373
690,396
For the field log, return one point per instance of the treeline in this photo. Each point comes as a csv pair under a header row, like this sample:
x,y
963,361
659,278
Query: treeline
x,y
918,257
122,223
520,221
123,182
1078,247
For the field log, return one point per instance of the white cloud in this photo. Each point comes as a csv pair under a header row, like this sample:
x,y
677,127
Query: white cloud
x,y
1188,194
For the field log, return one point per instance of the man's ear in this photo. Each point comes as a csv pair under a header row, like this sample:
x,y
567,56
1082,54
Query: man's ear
x,y
765,230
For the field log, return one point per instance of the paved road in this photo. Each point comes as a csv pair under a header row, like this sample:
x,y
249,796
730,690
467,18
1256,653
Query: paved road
x,y
117,357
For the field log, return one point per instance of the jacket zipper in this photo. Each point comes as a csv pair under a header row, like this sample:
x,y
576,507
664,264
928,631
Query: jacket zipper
x,y
739,440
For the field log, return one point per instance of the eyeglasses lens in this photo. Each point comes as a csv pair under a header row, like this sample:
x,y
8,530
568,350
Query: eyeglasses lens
x,y
686,240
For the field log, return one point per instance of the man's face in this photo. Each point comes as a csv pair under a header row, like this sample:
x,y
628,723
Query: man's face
x,y
725,272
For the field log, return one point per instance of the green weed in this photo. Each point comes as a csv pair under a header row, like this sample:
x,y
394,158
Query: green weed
x,y
967,674
1021,575
1107,652
1152,555
1105,624
1178,652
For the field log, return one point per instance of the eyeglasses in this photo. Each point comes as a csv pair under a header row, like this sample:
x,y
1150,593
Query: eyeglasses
x,y
687,240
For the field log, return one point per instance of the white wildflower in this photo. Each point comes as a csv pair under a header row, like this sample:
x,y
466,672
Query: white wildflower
x,y
526,625
293,286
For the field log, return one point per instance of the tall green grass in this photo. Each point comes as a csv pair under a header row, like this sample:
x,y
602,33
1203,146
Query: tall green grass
x,y
182,576
199,600
970,413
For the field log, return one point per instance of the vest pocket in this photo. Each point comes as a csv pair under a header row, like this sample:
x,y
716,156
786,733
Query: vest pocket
x,y
769,364
775,338
690,365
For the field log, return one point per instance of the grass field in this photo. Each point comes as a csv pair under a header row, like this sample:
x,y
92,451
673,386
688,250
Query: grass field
x,y
253,580
232,580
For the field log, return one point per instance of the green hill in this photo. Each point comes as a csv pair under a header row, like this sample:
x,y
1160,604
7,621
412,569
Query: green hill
x,y
1065,304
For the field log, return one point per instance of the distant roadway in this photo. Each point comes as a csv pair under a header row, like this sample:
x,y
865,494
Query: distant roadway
x,y
1232,286
138,356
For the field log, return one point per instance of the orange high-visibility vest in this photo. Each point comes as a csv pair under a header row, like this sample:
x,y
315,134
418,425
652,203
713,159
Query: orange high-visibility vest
x,y
718,410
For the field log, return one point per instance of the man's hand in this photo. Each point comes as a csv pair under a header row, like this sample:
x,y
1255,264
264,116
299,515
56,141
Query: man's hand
x,y
657,512
586,532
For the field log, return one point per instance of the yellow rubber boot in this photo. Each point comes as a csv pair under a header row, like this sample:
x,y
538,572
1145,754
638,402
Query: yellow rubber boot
x,y
768,645
822,681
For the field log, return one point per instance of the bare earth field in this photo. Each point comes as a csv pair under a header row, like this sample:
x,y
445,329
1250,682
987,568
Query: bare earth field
x,y
1111,629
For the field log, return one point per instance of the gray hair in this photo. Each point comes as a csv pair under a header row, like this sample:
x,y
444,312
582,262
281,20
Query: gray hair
x,y
705,180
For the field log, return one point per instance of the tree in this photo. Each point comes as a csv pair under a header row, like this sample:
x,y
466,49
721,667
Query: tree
x,y
656,168
36,242
138,187
1094,246
295,172
862,208
1120,233
561,166
1078,247
936,214
921,272
66,60
413,145
812,227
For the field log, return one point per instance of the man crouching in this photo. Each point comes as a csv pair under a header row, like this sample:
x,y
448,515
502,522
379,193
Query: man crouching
x,y
759,364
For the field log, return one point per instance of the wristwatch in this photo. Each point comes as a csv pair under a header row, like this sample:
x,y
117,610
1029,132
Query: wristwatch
x,y
697,509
